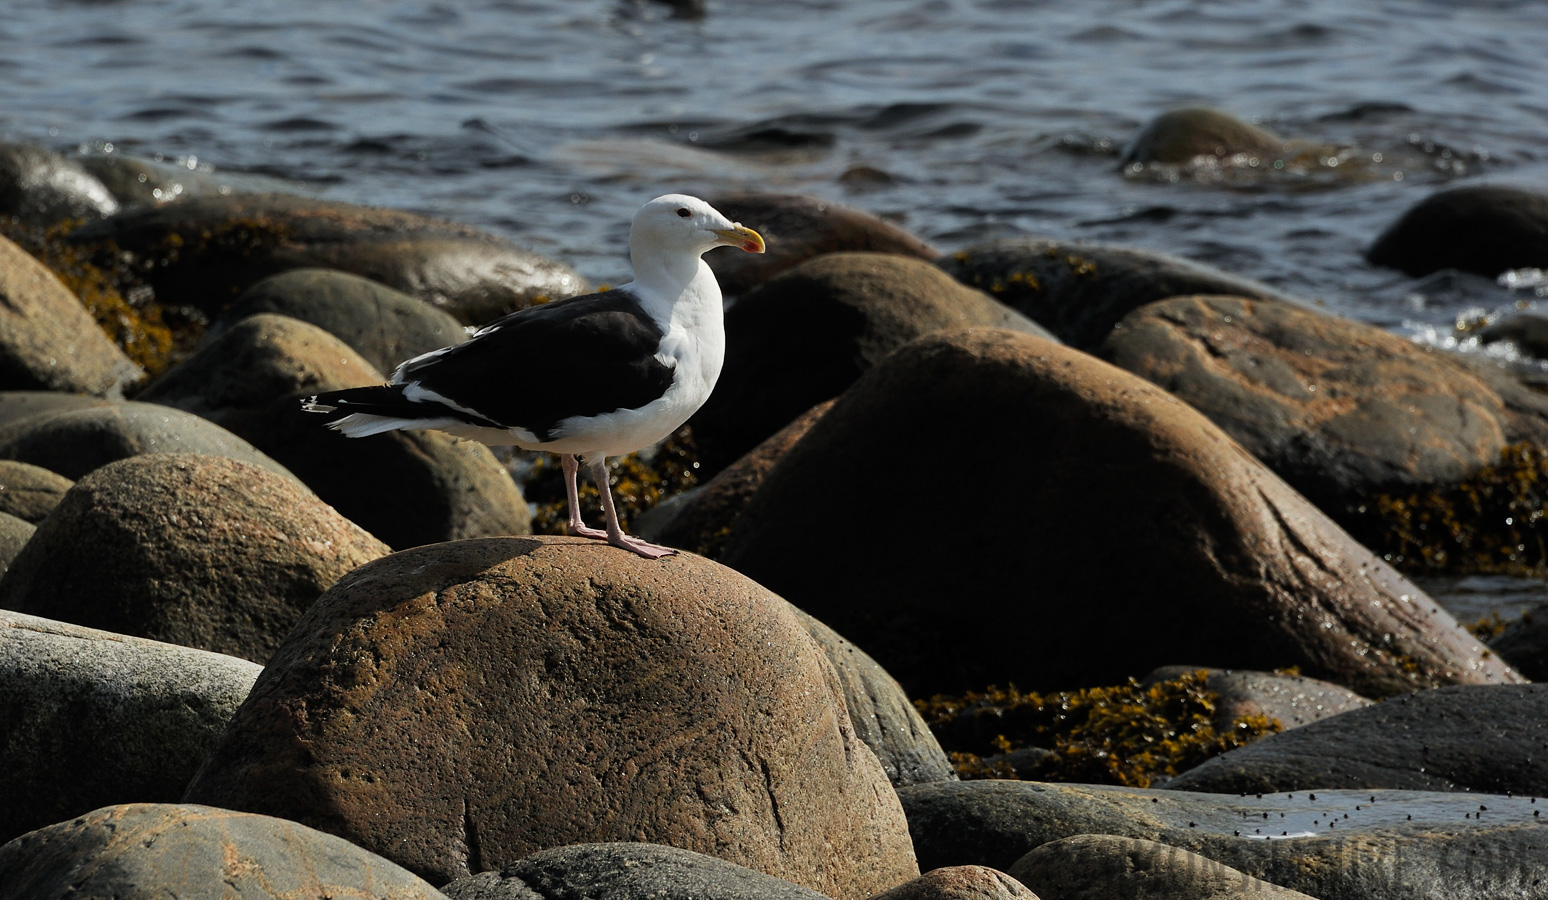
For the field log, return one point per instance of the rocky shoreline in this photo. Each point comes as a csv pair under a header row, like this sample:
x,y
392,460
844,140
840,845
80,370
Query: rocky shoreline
x,y
945,510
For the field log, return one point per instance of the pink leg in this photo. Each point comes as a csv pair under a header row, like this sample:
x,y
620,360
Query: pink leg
x,y
578,526
615,535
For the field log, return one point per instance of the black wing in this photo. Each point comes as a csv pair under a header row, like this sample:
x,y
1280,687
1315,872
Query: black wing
x,y
577,357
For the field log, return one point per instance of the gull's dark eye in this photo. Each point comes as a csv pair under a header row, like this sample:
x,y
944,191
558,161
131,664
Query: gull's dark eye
x,y
683,211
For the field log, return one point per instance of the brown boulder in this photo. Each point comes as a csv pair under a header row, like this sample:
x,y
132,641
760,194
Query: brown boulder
x,y
150,851
1339,409
796,229
461,706
29,492
202,551
1080,291
962,883
1179,135
1125,531
48,341
204,251
407,488
808,334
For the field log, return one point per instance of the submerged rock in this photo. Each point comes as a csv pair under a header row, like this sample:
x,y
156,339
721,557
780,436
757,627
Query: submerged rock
x,y
1485,229
1341,410
1105,867
461,706
94,718
147,851
48,341
1179,135
202,551
808,334
626,871
1483,738
1125,531
1080,291
384,326
796,229
1393,845
204,251
406,487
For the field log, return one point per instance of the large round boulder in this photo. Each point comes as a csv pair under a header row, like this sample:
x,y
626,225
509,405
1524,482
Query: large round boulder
x,y
1339,409
1125,531
94,718
150,851
1080,291
1485,229
74,442
406,487
204,251
797,228
808,334
461,706
202,551
1483,738
16,405
48,341
384,326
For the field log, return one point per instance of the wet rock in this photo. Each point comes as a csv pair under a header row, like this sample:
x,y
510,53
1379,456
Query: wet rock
x,y
1524,643
1105,867
796,229
1485,738
1179,135
407,488
1528,331
668,701
1290,700
808,334
625,871
201,551
204,251
146,851
883,716
252,380
1339,409
77,441
16,405
961,883
40,187
1151,507
48,341
700,519
383,325
146,182
1485,229
1080,291
29,492
14,535
1394,845
94,718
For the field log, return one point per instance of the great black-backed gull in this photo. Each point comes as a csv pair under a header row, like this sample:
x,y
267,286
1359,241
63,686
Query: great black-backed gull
x,y
591,377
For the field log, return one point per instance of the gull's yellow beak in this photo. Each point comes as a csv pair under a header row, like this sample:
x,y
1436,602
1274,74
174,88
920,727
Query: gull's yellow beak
x,y
741,236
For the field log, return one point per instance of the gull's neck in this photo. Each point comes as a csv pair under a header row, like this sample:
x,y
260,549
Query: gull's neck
x,y
670,277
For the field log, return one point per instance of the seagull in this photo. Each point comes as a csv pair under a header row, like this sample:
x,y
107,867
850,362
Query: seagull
x,y
587,377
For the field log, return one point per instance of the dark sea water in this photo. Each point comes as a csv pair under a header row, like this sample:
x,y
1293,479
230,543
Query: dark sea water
x,y
551,122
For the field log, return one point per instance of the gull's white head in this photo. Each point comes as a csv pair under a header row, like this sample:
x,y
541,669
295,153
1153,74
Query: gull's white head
x,y
678,223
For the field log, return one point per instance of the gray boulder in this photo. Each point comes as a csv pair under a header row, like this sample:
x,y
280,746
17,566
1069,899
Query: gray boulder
x,y
151,851
1483,738
94,718
29,492
41,187
14,535
1106,867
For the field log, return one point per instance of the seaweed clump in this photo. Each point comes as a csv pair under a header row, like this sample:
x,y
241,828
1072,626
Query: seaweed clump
x,y
1491,523
639,480
1126,735
102,278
